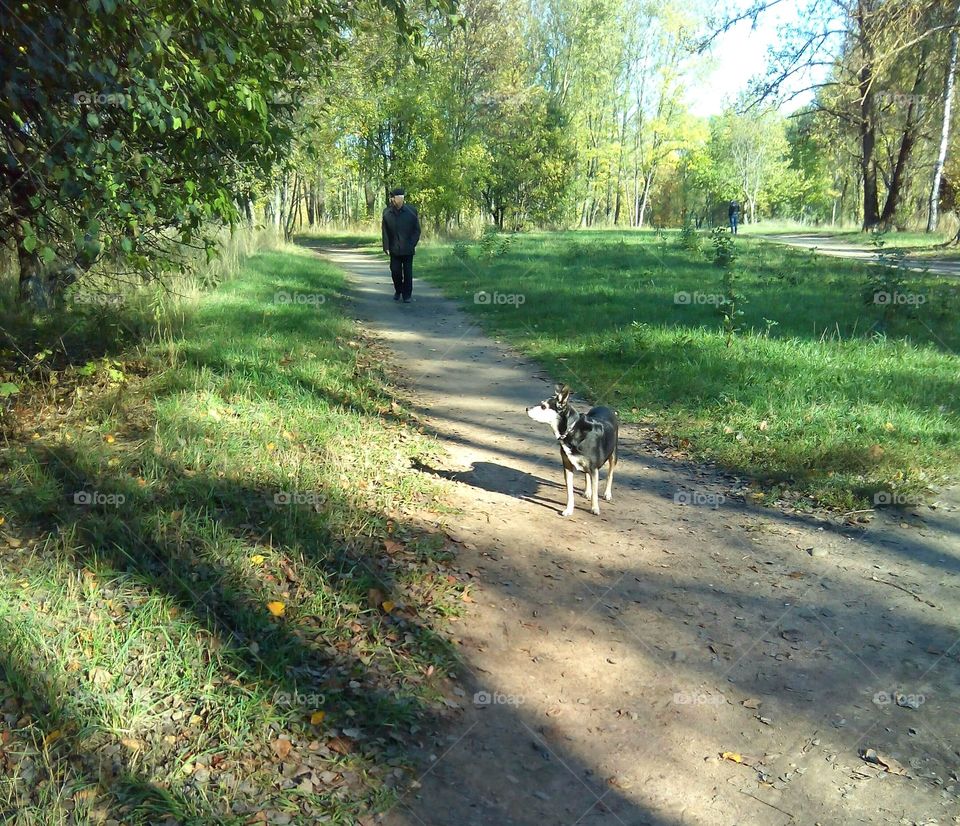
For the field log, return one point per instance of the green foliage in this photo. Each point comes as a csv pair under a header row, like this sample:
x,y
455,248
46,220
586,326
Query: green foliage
x,y
121,159
494,243
688,238
724,247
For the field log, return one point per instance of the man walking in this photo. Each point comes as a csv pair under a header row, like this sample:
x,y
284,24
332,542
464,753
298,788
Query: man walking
x,y
734,213
401,232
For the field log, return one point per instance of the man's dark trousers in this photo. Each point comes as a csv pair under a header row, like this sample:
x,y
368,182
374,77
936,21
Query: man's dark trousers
x,y
401,268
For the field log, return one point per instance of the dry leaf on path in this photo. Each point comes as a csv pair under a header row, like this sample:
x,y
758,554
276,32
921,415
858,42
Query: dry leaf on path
x,y
281,747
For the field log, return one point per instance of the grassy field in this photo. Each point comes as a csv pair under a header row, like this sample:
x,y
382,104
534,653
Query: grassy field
x,y
821,394
214,602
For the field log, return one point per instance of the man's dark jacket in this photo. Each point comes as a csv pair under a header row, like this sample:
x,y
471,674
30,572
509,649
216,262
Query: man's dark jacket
x,y
401,230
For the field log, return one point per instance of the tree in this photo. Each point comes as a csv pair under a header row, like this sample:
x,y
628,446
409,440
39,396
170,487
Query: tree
x,y
865,43
131,129
750,155
947,102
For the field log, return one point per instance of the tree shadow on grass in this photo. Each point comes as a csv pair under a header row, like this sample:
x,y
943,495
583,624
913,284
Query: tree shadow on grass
x,y
176,541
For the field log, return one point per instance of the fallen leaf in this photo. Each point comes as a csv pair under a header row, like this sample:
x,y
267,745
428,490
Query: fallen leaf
x,y
85,796
278,609
317,718
889,427
340,745
752,702
374,597
732,756
110,440
52,737
387,606
257,559
389,545
281,747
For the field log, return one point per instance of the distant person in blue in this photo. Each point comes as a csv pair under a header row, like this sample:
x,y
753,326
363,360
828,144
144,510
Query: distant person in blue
x,y
734,213
401,232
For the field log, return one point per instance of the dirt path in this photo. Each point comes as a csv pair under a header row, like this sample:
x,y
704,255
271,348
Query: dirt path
x,y
625,653
837,248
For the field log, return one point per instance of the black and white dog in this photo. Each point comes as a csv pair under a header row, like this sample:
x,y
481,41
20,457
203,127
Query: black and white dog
x,y
587,442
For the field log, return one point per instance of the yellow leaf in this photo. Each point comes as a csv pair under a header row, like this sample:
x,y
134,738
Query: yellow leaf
x,y
271,447
52,737
2,520
278,609
888,427
317,717
257,559
732,755
387,606
110,439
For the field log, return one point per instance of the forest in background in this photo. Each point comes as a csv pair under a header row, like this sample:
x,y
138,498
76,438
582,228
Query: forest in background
x,y
133,135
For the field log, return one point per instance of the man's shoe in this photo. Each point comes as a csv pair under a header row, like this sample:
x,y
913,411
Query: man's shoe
x,y
406,301
396,296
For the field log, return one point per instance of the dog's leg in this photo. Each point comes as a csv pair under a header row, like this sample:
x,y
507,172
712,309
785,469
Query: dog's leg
x,y
568,478
586,488
594,503
611,464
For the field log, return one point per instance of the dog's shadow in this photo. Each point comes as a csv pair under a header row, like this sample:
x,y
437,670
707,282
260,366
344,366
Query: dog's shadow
x,y
492,477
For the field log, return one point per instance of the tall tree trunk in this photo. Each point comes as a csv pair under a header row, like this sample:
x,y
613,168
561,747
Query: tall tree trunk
x,y
907,142
311,204
647,185
934,217
868,126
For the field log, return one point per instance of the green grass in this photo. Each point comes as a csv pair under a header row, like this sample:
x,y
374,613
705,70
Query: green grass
x,y
819,394
256,562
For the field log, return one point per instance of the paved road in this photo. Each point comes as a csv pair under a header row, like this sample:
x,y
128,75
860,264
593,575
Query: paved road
x,y
837,248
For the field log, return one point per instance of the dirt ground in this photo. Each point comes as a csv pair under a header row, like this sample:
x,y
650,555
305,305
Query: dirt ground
x,y
684,658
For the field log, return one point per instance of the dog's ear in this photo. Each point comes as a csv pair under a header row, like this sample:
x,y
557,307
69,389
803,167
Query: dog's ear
x,y
563,392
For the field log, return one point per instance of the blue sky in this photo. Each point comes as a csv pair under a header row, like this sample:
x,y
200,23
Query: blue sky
x,y
737,55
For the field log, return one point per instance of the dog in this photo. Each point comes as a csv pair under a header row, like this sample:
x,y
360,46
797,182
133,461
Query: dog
x,y
587,442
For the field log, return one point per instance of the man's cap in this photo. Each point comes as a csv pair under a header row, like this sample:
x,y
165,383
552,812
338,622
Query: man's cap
x,y
397,190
